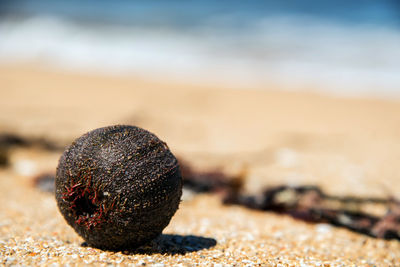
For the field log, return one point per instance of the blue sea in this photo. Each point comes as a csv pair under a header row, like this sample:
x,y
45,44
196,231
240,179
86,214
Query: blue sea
x,y
340,47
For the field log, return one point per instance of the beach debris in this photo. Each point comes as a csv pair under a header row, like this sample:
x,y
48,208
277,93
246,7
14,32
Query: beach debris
x,y
118,186
45,182
8,141
4,156
388,226
210,181
310,203
307,202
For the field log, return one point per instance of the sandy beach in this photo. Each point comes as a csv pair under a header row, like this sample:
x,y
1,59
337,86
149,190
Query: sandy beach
x,y
346,146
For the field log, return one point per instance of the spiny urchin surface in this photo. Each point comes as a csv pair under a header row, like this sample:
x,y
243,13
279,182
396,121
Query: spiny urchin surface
x,y
118,186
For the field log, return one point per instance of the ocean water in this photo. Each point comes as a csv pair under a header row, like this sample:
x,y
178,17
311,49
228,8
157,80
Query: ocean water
x,y
340,47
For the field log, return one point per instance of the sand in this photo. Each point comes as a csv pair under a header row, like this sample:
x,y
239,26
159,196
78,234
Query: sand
x,y
347,146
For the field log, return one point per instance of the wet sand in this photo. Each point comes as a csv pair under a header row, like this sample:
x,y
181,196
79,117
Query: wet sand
x,y
347,146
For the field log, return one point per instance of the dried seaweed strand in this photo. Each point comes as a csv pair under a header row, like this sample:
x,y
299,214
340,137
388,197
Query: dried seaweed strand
x,y
307,203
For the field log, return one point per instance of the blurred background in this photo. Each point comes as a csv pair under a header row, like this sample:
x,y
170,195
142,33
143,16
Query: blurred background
x,y
341,47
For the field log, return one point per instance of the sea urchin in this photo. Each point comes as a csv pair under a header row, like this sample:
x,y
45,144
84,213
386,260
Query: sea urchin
x,y
118,186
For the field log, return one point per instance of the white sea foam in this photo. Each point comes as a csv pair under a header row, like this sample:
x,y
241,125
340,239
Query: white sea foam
x,y
294,54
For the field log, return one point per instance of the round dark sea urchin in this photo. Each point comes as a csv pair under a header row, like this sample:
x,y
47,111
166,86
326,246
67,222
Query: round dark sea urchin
x,y
118,186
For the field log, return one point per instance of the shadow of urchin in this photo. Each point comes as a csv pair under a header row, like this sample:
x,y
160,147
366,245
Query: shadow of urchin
x,y
174,244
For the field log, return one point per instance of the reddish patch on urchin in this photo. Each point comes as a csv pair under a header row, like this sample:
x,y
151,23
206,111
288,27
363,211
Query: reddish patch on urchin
x,y
85,202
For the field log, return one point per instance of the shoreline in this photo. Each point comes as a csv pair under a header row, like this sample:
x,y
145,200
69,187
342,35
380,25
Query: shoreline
x,y
158,78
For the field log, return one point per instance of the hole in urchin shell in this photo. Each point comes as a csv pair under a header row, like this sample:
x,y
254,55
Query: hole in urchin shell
x,y
88,209
85,206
